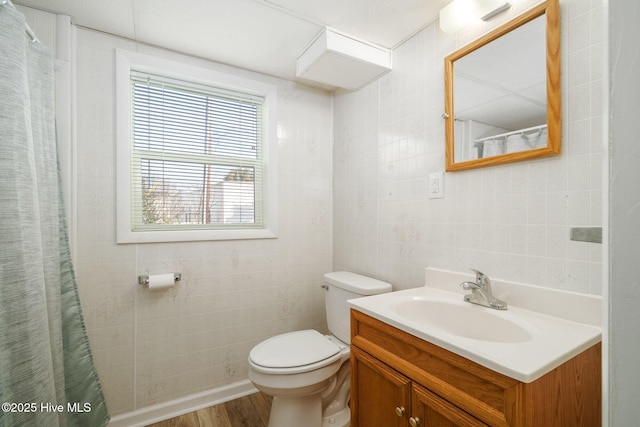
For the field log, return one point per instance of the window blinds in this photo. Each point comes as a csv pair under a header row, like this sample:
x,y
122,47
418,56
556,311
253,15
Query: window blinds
x,y
196,156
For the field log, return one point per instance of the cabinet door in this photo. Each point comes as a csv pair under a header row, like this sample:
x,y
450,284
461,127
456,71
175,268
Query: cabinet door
x,y
429,409
380,396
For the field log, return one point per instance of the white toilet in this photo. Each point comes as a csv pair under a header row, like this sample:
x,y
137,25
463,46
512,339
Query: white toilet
x,y
307,373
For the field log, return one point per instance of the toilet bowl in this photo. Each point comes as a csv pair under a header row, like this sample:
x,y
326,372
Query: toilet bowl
x,y
306,372
299,369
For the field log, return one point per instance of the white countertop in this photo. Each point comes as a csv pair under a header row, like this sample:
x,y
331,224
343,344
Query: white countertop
x,y
559,325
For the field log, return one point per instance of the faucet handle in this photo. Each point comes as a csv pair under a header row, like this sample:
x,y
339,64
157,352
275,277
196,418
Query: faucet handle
x,y
482,279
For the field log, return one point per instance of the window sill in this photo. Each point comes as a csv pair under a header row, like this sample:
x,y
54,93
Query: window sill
x,y
191,235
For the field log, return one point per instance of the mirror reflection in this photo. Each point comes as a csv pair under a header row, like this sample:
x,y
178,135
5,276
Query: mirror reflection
x,y
500,100
500,106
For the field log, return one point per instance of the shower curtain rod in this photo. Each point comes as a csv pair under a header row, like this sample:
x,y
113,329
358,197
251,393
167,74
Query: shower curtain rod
x,y
515,132
28,29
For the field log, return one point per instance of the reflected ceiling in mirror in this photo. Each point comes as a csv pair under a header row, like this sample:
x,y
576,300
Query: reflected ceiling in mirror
x,y
503,94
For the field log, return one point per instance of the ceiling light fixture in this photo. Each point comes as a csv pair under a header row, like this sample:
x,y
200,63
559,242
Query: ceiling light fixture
x,y
460,13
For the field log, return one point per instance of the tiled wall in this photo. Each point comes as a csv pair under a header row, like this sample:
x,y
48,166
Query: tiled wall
x,y
510,221
153,347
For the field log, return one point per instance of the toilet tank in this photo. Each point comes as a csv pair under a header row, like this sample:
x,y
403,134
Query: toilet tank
x,y
343,286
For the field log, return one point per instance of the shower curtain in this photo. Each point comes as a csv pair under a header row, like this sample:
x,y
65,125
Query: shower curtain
x,y
47,376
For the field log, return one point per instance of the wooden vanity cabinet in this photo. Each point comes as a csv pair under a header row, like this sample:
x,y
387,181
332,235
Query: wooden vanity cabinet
x,y
383,393
387,398
401,380
429,409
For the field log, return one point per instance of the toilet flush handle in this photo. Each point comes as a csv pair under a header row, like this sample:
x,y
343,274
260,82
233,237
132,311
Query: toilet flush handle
x,y
325,287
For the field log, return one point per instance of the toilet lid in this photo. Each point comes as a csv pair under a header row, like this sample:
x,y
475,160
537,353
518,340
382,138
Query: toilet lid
x,y
293,349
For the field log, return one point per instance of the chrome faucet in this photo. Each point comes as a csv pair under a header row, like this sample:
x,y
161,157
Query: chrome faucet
x,y
481,292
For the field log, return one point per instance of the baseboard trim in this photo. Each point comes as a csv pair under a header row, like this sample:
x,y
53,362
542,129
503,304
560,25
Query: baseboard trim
x,y
173,408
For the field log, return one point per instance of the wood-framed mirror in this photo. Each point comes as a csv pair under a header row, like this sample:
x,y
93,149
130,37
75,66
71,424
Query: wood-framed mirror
x,y
502,93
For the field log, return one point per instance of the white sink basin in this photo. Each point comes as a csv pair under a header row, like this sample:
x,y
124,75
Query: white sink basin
x,y
522,343
463,319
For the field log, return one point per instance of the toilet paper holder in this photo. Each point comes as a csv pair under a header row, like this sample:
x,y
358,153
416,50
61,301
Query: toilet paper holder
x,y
144,278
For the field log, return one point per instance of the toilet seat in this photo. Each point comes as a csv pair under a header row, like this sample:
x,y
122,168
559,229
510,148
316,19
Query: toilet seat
x,y
294,353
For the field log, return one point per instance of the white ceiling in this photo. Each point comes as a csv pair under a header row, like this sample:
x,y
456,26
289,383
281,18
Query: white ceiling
x,y
260,35
507,91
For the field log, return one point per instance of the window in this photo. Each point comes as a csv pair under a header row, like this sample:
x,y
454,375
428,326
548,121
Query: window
x,y
193,146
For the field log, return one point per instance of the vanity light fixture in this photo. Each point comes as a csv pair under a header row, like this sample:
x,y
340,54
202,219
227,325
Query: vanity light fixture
x,y
460,13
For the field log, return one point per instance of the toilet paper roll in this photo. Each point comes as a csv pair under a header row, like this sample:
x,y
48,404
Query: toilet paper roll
x,y
158,282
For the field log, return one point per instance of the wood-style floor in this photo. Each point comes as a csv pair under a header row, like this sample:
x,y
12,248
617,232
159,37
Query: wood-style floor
x,y
248,411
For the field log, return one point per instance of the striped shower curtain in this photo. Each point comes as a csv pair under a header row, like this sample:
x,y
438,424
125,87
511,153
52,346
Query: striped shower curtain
x,y
47,376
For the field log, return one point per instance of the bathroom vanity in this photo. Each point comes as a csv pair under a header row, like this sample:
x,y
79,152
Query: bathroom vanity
x,y
400,380
410,370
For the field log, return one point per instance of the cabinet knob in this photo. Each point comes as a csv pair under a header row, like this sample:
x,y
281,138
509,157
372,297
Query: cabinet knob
x,y
399,411
414,421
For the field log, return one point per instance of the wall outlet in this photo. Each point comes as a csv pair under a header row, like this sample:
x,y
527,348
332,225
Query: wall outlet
x,y
436,185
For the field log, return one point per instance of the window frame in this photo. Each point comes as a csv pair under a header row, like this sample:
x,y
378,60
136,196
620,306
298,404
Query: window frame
x,y
126,62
